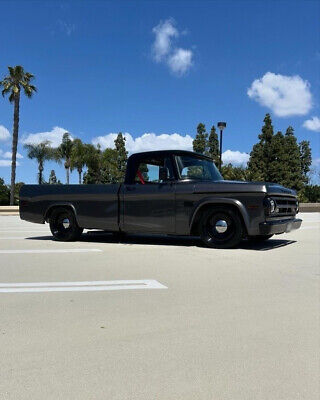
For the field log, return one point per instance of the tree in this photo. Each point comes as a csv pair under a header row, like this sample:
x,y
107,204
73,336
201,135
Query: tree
x,y
63,153
279,158
200,141
110,166
12,85
259,167
122,156
4,193
291,164
16,192
213,146
231,173
41,152
53,178
312,193
305,159
78,157
94,174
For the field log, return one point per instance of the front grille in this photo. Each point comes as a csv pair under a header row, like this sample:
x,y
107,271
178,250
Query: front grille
x,y
285,205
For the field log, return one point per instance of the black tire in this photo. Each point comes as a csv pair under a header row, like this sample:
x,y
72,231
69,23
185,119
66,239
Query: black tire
x,y
259,238
221,240
63,225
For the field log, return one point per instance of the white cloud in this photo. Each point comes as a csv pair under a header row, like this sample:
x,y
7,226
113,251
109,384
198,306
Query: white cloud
x,y
164,32
312,124
66,27
235,157
284,95
54,136
7,163
180,61
8,154
174,141
177,59
4,133
148,141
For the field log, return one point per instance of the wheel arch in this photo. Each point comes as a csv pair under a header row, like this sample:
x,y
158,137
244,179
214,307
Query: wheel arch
x,y
204,205
54,206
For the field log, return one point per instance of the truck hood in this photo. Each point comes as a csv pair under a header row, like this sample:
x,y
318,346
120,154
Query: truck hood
x,y
242,187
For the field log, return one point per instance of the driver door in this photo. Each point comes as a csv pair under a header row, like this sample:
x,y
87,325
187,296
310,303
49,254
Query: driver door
x,y
149,201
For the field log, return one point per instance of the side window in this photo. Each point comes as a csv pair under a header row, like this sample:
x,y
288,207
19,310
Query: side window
x,y
152,171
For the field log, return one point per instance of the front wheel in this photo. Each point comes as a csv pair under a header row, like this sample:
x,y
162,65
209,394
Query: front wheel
x,y
221,228
63,225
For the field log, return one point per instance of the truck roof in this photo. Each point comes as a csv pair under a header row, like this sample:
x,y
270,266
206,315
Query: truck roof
x,y
168,152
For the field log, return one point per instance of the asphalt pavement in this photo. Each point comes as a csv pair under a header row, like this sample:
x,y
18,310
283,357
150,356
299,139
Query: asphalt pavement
x,y
158,318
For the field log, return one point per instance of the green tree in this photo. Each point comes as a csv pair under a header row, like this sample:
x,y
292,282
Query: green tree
x,y
305,159
213,146
4,193
122,156
94,162
41,152
200,141
229,172
63,153
16,192
259,162
53,178
110,166
277,158
18,80
292,164
312,193
78,157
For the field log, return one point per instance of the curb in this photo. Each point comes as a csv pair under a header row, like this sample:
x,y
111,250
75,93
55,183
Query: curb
x,y
9,210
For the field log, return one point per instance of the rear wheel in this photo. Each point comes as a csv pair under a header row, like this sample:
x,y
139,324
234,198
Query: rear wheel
x,y
63,225
221,228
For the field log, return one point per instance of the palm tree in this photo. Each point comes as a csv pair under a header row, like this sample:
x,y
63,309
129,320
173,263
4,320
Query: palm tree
x,y
79,156
12,85
63,153
41,152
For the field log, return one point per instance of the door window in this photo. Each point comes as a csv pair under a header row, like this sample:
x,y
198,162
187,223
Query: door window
x,y
153,171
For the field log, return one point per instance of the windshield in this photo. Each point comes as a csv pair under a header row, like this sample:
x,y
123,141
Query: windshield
x,y
197,168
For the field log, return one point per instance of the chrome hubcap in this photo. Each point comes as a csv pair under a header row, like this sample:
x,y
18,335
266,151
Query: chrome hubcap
x,y
66,223
221,226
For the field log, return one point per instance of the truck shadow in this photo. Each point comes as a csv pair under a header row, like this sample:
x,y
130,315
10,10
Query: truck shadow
x,y
164,240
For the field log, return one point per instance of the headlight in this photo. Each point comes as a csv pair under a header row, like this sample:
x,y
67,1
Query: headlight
x,y
270,206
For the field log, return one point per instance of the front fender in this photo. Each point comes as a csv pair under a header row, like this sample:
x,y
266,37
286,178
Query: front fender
x,y
221,201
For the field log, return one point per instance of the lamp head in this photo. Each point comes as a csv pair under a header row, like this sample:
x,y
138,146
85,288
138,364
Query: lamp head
x,y
222,125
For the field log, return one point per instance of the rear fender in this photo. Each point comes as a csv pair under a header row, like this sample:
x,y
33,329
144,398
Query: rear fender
x,y
60,204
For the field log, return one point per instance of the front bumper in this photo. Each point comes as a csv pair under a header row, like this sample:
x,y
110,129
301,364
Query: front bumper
x,y
276,227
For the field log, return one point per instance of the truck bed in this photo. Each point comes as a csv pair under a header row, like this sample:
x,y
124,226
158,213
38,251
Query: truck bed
x,y
95,206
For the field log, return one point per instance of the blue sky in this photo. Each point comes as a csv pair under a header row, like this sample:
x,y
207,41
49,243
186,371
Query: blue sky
x,y
160,67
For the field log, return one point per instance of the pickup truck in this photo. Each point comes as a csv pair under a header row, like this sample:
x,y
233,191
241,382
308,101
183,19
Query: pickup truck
x,y
170,192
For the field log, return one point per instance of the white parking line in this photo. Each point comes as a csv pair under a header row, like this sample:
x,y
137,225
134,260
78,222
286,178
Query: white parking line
x,y
49,251
87,286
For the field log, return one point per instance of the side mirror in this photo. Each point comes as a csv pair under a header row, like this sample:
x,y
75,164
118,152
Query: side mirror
x,y
163,174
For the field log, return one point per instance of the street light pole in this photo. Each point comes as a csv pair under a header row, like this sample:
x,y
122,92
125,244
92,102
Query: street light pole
x,y
221,126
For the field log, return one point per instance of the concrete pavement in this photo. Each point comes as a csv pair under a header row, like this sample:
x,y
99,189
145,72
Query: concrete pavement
x,y
230,324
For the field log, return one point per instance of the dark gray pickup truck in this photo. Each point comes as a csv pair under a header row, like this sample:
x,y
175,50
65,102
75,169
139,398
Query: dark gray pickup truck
x,y
166,192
